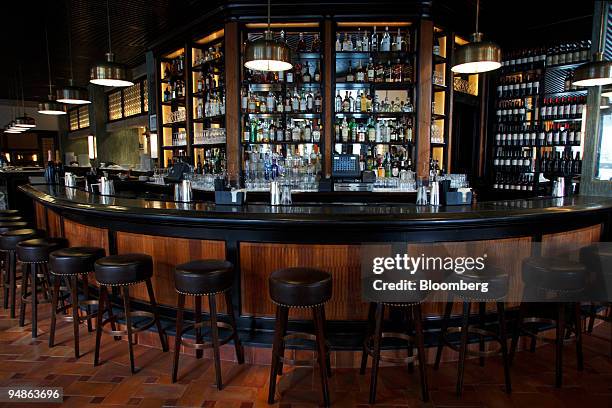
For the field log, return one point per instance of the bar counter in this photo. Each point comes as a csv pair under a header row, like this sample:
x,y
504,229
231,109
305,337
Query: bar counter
x,y
258,239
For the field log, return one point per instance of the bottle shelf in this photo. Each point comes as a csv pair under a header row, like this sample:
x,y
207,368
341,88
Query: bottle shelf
x,y
375,143
306,55
181,147
174,102
289,115
376,55
209,144
437,116
203,93
572,65
175,124
439,88
206,64
438,59
378,115
274,142
217,118
382,86
434,144
280,86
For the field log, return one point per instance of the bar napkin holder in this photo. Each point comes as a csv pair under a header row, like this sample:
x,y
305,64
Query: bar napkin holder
x,y
233,197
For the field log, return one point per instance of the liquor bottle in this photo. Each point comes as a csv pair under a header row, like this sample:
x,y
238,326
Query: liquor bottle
x,y
350,77
309,102
306,76
365,42
317,74
318,103
385,42
398,42
360,73
370,71
338,105
289,76
167,95
301,45
338,43
397,71
358,46
316,44
436,46
374,41
347,44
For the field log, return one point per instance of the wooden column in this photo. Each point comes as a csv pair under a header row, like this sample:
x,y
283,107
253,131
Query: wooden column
x,y
424,95
233,63
329,76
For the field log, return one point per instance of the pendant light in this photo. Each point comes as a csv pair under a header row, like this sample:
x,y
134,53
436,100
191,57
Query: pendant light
x,y
268,54
109,72
71,94
476,56
597,72
51,106
25,121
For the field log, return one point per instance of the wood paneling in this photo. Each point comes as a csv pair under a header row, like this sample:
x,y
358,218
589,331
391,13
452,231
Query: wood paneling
x,y
54,224
83,235
41,216
258,260
569,243
424,95
167,252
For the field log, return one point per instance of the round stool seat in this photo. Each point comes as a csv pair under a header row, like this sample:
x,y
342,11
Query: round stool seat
x,y
10,239
8,212
75,260
10,218
204,276
554,274
496,281
11,225
121,270
38,249
300,287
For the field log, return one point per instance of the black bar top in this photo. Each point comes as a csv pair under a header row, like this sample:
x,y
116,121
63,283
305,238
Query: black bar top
x,y
482,213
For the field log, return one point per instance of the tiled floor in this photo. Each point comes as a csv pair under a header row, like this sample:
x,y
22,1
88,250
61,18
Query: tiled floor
x,y
27,361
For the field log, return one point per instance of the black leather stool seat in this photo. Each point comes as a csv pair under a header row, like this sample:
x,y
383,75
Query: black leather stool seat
x,y
495,278
10,218
12,225
204,277
10,239
8,212
126,269
38,249
554,273
300,287
75,260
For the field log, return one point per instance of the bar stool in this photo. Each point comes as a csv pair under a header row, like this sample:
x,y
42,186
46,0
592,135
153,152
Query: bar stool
x,y
8,244
4,262
497,289
300,288
598,260
34,257
68,264
206,277
124,271
555,279
375,335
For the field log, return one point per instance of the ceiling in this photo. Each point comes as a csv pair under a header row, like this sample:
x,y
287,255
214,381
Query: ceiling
x,y
136,24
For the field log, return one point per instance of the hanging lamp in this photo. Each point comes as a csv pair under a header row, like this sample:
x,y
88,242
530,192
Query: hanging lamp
x,y
597,72
476,56
109,72
24,121
50,106
268,54
71,94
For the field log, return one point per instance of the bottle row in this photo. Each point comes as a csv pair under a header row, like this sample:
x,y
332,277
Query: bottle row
x,y
209,136
174,68
568,53
266,131
214,162
263,164
515,161
273,102
363,42
559,134
381,131
174,90
516,182
364,102
212,105
530,58
389,165
213,53
562,108
212,79
560,164
179,138
379,72
517,87
303,72
523,59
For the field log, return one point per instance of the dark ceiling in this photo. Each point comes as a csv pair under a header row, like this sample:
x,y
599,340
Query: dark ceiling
x,y
136,24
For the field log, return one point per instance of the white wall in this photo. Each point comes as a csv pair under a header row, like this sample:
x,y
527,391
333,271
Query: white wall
x,y
11,108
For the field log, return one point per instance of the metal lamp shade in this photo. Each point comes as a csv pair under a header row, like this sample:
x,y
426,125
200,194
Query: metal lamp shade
x,y
595,73
73,95
268,54
51,107
25,122
110,73
477,56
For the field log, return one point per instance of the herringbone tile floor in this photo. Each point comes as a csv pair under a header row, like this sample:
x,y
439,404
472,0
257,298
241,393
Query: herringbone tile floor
x,y
26,361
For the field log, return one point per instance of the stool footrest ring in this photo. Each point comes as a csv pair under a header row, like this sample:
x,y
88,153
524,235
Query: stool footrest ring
x,y
82,317
138,313
302,363
539,336
393,335
474,330
206,344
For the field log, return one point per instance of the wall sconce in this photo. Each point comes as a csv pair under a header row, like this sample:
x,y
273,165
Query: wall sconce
x,y
154,148
92,149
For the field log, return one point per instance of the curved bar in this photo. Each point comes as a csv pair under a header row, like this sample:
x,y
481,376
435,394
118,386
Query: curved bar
x,y
258,238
